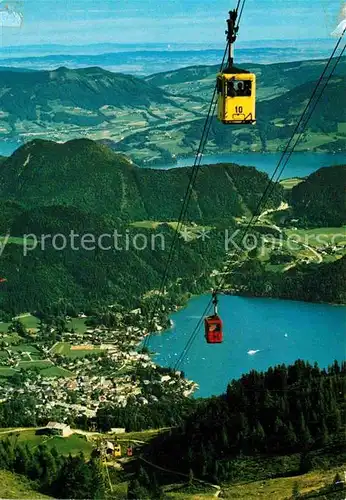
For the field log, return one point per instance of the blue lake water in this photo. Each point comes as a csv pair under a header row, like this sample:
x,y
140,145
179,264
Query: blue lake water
x,y
299,165
281,331
8,147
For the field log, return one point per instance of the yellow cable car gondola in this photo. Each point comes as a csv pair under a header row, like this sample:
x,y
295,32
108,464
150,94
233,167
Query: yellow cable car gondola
x,y
236,89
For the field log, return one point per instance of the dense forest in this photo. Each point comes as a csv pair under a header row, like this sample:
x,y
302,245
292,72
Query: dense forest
x,y
312,283
88,279
55,194
318,201
287,409
91,178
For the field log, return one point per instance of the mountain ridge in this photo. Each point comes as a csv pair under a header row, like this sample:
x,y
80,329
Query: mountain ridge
x,y
42,173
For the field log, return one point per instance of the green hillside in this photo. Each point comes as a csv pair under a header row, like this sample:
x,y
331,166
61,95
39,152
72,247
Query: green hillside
x,y
92,178
272,79
88,88
85,187
18,487
276,120
319,201
156,119
74,103
286,421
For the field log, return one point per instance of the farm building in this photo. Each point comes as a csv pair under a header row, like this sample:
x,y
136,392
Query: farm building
x,y
54,428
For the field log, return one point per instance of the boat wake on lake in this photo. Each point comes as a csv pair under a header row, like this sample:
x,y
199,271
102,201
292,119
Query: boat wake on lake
x,y
253,352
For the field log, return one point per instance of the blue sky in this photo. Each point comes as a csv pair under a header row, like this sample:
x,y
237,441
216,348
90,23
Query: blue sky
x,y
72,22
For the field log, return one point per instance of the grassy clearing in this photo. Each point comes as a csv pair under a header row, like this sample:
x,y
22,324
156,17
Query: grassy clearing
x,y
61,348
73,444
16,486
7,372
30,322
78,324
56,371
40,364
290,183
25,348
281,489
17,241
4,327
28,437
66,349
146,224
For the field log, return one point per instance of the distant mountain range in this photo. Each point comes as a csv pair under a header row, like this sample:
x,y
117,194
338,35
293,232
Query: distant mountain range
x,y
157,118
145,59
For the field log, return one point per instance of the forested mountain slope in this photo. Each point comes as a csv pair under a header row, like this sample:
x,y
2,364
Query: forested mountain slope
x,y
92,178
321,200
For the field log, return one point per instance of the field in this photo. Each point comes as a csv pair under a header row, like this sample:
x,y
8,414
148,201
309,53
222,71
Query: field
x,y
29,321
56,371
7,372
65,349
16,241
73,444
290,183
191,230
276,489
281,488
78,324
40,364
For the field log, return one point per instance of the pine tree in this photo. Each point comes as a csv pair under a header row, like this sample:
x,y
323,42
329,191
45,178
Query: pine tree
x,y
224,438
97,480
143,477
305,463
191,477
295,491
136,491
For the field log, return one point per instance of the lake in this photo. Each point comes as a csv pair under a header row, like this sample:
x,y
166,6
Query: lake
x,y
8,147
299,165
277,331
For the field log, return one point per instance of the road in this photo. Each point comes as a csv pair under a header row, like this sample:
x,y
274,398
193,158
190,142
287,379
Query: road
x,y
20,429
312,250
283,206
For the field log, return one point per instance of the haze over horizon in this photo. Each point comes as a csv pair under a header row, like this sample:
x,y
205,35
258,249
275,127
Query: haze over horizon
x,y
77,22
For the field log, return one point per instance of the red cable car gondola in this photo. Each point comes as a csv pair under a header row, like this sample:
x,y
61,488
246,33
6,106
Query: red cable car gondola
x,y
213,325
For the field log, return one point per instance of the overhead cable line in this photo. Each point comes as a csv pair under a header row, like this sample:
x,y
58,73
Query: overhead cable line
x,y
187,197
193,176
270,187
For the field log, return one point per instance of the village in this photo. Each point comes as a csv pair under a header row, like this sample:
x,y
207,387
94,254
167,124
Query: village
x,y
86,369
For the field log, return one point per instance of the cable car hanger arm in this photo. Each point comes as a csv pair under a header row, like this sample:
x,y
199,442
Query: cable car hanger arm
x,y
231,33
